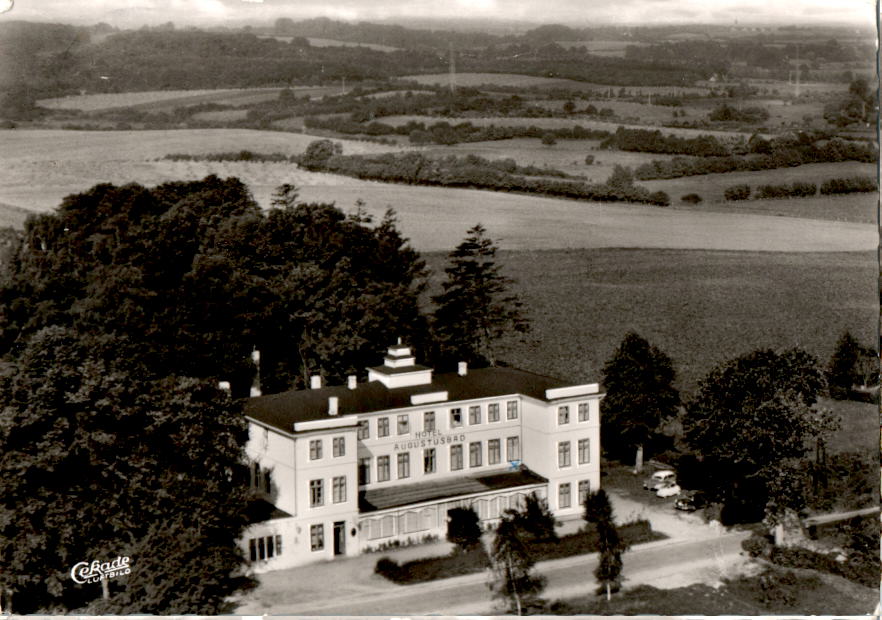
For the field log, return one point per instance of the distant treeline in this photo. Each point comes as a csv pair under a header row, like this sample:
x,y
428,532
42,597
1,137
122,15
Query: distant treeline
x,y
469,172
652,141
801,189
764,155
244,155
443,132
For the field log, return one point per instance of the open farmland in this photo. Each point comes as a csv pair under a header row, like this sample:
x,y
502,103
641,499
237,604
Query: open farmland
x,y
861,208
43,166
700,307
319,42
566,155
712,186
159,100
495,79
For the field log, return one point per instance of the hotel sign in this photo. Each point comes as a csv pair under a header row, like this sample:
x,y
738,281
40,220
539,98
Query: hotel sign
x,y
427,439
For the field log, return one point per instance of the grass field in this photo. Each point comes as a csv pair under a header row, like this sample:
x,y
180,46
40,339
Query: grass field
x,y
700,307
860,208
159,100
318,42
711,187
566,155
496,79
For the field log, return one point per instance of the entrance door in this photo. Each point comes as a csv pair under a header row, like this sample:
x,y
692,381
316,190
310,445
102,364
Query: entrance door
x,y
340,538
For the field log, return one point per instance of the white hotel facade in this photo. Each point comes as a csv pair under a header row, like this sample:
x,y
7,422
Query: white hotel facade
x,y
348,468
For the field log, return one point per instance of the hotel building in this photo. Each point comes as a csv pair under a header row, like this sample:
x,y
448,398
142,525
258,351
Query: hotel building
x,y
349,468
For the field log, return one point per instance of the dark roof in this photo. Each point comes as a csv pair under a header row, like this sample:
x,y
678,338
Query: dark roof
x,y
406,494
259,510
389,370
284,409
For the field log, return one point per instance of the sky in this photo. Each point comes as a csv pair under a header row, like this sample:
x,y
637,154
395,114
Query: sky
x,y
129,13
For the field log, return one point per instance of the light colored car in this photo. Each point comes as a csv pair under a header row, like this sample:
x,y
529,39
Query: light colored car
x,y
659,479
669,491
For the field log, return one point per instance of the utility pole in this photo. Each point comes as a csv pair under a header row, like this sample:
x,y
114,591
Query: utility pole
x,y
797,70
452,71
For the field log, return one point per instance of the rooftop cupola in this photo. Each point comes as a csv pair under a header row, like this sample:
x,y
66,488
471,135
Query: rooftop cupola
x,y
400,369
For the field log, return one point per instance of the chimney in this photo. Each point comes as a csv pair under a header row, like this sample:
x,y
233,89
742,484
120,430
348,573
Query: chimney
x,y
351,382
333,405
463,369
224,385
315,382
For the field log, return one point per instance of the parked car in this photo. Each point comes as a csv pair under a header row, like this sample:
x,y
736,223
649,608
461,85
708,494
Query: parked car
x,y
669,490
690,501
661,478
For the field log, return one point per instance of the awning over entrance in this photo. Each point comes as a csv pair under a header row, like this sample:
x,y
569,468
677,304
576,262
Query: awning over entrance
x,y
407,494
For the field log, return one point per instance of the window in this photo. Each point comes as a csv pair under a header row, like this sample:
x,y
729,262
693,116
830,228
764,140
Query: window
x,y
584,451
513,449
429,461
512,410
403,424
563,454
339,489
493,452
255,476
456,417
382,468
364,470
475,414
264,547
267,481
315,449
317,537
456,457
364,429
339,446
584,490
404,465
429,421
316,492
383,427
583,412
564,499
493,412
475,454
563,415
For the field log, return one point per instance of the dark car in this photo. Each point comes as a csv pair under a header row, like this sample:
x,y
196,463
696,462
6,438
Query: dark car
x,y
691,501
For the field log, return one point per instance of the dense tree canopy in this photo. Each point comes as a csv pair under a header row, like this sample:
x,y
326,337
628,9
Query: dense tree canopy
x,y
195,275
750,419
103,458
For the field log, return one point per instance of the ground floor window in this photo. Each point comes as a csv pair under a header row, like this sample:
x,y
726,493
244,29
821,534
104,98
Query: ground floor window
x,y
564,497
317,537
264,547
584,490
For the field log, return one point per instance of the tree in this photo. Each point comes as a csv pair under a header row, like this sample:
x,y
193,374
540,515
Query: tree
x,y
318,152
536,520
103,458
751,415
475,308
512,567
638,380
463,528
599,513
621,178
849,366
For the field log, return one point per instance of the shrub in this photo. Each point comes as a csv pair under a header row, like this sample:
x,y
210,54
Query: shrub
x,y
737,192
589,159
463,528
659,198
388,568
858,567
430,569
796,189
799,190
757,545
693,199
848,185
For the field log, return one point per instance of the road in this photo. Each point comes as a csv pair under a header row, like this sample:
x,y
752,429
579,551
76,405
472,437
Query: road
x,y
663,563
